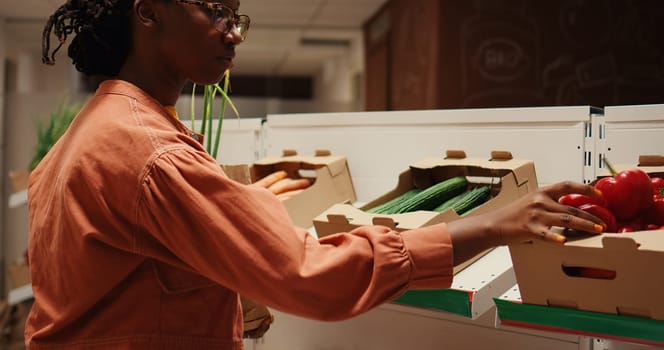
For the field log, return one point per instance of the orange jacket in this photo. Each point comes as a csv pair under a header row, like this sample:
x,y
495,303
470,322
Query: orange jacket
x,y
138,240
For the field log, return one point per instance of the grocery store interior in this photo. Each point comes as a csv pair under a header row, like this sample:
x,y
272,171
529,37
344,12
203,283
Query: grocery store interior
x,y
381,87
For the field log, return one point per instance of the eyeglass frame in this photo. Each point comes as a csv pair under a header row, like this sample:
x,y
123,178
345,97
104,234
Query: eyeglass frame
x,y
234,21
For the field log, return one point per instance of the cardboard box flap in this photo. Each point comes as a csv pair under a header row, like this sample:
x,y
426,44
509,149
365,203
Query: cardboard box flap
x,y
290,160
342,218
651,164
641,240
618,245
651,160
331,182
336,165
479,167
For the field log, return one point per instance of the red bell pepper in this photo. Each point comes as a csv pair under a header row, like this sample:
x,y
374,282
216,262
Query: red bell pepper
x,y
629,193
576,200
625,229
633,225
655,215
595,273
657,187
603,214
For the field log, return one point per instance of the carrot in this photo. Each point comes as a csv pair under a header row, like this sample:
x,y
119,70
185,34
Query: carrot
x,y
288,184
270,179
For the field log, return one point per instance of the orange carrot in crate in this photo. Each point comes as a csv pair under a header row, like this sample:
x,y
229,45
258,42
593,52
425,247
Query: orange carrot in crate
x,y
288,184
270,179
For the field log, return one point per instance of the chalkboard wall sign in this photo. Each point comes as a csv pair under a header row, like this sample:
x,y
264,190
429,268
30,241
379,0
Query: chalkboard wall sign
x,y
517,53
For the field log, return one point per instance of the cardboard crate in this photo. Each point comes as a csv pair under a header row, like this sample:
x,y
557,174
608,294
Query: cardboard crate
x,y
19,179
622,270
19,274
626,281
510,179
651,164
332,182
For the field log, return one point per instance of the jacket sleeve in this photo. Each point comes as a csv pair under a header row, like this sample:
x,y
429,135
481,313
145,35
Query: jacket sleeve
x,y
193,216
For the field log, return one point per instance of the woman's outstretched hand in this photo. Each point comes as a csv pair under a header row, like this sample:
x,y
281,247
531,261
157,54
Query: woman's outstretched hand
x,y
531,217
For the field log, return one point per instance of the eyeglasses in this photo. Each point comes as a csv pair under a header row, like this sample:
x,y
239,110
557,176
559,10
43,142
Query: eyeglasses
x,y
224,17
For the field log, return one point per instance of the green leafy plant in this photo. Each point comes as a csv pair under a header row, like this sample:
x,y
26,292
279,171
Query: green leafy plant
x,y
48,133
209,95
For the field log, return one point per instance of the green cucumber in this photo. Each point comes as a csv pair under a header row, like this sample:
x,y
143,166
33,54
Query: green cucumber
x,y
431,197
388,207
466,201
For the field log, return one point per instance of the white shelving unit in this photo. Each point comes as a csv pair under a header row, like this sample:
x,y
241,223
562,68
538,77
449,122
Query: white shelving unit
x,y
483,280
19,294
241,139
17,199
379,145
630,131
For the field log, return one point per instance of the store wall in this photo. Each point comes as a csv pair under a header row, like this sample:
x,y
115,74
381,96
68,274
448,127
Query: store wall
x,y
516,53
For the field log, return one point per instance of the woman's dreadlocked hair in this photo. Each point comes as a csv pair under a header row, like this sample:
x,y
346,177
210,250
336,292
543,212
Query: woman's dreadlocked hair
x,y
102,34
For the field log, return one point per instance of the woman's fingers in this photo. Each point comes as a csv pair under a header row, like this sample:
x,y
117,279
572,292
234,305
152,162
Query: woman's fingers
x,y
539,215
551,236
565,217
580,220
570,217
544,230
560,189
547,213
573,218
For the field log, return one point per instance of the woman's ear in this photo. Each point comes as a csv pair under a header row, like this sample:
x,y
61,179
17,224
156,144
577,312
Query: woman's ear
x,y
145,12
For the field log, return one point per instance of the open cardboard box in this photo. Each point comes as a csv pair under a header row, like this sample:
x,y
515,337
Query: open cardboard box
x,y
651,164
19,179
626,281
622,271
331,178
510,179
19,274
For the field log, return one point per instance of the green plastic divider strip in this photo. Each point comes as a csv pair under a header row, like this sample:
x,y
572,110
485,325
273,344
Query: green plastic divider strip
x,y
448,300
633,329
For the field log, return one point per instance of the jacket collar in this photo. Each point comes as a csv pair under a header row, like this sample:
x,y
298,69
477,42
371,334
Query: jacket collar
x,y
125,88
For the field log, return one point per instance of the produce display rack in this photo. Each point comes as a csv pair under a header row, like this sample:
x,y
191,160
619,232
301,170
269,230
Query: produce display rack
x,y
380,145
425,134
512,312
473,289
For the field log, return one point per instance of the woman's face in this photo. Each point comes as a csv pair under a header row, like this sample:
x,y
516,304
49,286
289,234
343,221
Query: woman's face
x,y
190,43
